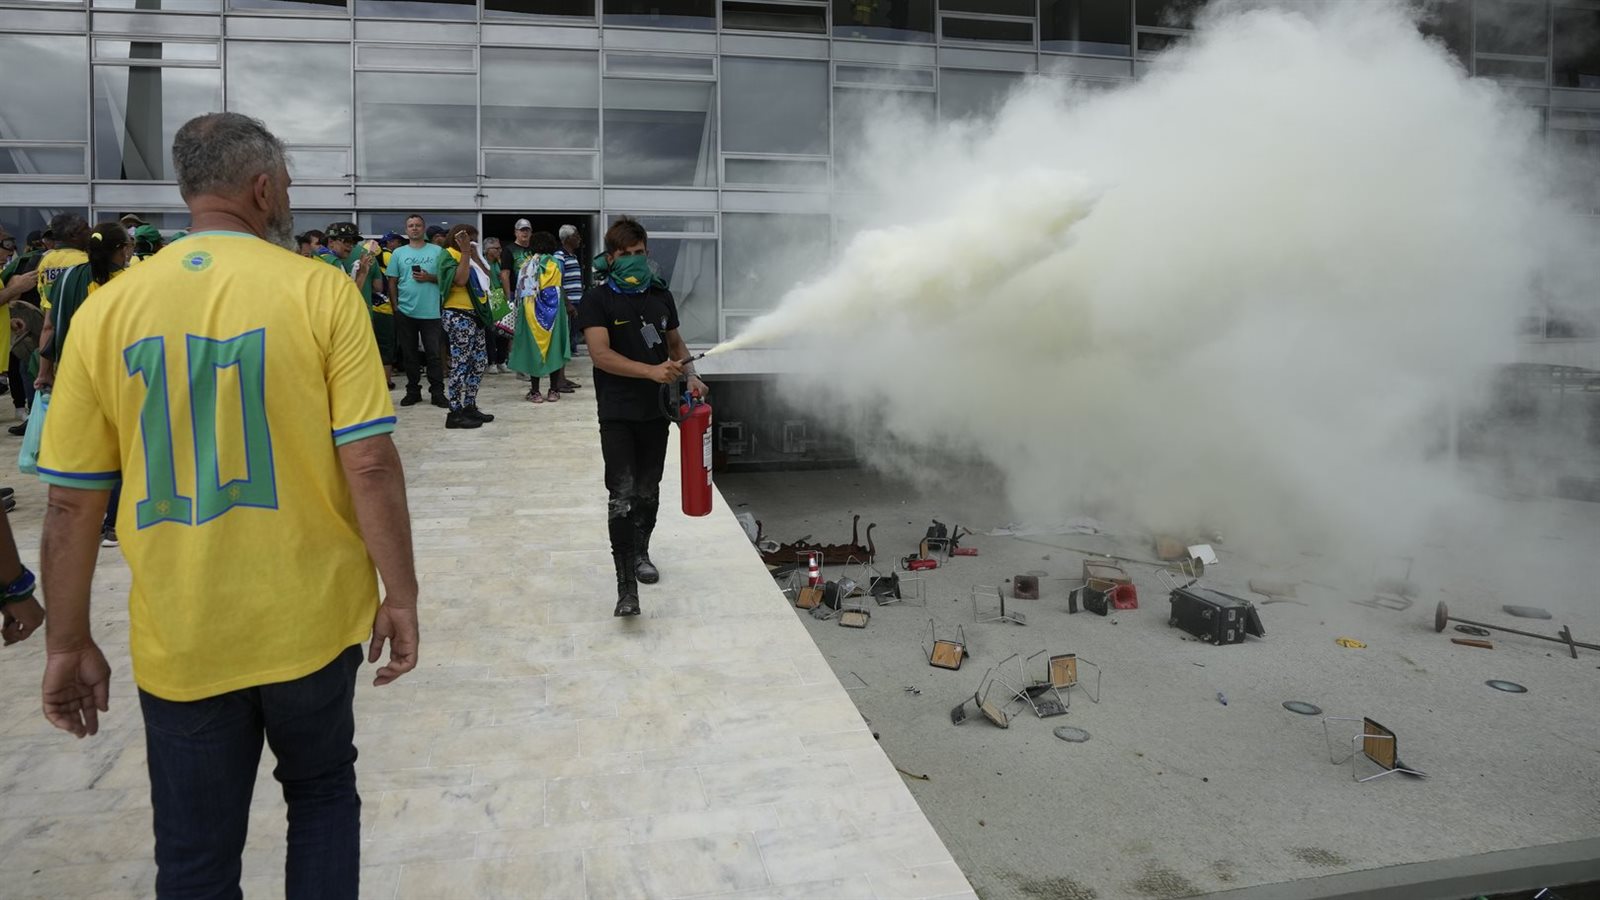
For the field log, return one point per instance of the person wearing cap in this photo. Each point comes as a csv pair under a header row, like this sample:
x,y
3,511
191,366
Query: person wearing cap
x,y
439,236
346,253
146,241
131,221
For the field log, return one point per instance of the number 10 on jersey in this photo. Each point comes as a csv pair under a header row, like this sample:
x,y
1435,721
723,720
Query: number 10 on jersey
x,y
210,497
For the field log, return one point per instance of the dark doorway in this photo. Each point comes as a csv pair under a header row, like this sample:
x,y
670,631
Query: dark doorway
x,y
503,226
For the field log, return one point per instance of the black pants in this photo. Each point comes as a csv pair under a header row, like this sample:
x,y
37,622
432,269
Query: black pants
x,y
431,332
634,453
499,347
21,385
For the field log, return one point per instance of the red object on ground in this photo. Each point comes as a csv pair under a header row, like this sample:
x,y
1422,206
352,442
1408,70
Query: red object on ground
x,y
814,569
917,565
1124,596
964,551
694,458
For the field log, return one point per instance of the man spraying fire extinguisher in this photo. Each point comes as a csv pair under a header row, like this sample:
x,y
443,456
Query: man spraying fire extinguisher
x,y
631,324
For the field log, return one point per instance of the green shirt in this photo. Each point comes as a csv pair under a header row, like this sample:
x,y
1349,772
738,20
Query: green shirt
x,y
348,266
17,259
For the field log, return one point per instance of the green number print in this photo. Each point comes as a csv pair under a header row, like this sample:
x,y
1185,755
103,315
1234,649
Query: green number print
x,y
206,357
162,502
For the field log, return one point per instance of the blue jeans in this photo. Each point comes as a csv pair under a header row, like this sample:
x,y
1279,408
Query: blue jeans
x,y
203,758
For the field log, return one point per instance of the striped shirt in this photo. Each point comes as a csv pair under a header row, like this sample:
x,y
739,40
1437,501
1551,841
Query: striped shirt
x,y
571,276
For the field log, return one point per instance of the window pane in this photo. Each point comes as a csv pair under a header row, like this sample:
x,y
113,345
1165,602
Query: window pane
x,y
374,224
535,166
414,10
17,221
314,165
173,51
774,17
965,95
992,7
689,267
320,219
541,98
1086,26
697,14
413,127
169,5
854,111
774,106
1449,22
499,9
1506,26
44,115
1168,13
897,20
805,172
645,64
959,28
1522,71
660,132
883,76
42,161
256,85
1577,48
1153,42
770,253
137,110
415,59
321,7
657,222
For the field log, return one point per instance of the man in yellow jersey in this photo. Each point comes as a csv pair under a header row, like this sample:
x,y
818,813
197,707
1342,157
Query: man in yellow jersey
x,y
234,388
72,240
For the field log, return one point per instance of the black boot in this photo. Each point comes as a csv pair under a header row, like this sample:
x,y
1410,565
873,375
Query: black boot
x,y
413,396
627,588
440,401
458,418
643,568
478,414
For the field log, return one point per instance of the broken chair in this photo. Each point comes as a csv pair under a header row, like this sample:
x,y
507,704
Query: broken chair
x,y
981,614
980,700
1037,695
854,611
1374,742
1061,674
946,653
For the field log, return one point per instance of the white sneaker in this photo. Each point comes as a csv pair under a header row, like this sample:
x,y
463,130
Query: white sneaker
x,y
500,368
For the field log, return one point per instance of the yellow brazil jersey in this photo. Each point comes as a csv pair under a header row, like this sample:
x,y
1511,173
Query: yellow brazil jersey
x,y
215,382
52,266
458,297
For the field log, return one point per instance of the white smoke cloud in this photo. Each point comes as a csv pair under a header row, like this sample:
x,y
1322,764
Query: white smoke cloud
x,y
1243,290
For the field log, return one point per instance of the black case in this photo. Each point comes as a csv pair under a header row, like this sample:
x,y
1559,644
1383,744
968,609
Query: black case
x,y
1214,616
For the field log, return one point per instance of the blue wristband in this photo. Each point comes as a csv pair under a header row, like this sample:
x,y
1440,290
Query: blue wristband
x,y
20,588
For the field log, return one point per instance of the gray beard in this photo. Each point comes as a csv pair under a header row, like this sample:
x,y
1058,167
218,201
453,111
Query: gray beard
x,y
280,231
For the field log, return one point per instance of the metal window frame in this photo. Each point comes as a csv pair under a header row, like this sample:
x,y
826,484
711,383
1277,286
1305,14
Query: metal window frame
x,y
95,59
825,5
507,181
1033,25
25,144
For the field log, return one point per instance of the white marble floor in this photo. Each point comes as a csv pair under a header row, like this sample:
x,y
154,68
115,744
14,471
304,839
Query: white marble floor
x,y
542,748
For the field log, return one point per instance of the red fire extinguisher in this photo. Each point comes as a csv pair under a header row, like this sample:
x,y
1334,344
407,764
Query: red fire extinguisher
x,y
694,456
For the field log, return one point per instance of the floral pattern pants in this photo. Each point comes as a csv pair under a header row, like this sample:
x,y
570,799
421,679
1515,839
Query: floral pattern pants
x,y
469,356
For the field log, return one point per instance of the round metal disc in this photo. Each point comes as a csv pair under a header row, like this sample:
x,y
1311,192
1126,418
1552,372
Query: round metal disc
x,y
1069,733
1441,616
1510,687
1473,630
1302,707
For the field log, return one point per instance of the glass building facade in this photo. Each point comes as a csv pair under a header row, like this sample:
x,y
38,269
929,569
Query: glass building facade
x,y
701,117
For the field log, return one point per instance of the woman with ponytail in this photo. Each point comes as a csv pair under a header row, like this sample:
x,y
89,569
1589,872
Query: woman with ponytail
x,y
109,251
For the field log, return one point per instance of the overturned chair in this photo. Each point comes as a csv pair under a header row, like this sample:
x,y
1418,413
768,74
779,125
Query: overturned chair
x,y
980,700
1375,742
1062,675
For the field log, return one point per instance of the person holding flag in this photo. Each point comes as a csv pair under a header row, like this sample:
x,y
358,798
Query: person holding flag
x,y
542,343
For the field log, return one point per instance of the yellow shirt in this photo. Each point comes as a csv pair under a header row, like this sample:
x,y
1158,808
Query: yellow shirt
x,y
458,298
220,378
52,266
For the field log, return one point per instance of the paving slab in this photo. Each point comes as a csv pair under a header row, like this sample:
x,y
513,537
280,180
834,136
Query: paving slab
x,y
542,748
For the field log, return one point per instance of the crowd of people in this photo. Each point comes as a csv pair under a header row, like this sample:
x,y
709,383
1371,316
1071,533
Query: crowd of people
x,y
236,642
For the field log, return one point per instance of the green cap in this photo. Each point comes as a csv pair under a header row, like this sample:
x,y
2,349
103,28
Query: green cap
x,y
149,234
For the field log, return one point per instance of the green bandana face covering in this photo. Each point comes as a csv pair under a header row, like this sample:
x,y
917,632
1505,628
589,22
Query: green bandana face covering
x,y
630,274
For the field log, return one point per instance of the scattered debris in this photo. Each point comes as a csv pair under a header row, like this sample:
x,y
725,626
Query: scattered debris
x,y
1107,586
1393,602
1302,707
1212,615
912,774
832,554
1268,587
1442,617
914,563
1473,642
1074,525
1350,643
859,686
1510,687
1204,554
1526,612
912,689
808,598
1373,741
1222,698
1473,630
1025,587
1071,734
1170,549
1004,615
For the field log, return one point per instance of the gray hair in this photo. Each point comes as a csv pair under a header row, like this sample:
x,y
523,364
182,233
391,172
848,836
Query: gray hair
x,y
220,153
567,231
491,242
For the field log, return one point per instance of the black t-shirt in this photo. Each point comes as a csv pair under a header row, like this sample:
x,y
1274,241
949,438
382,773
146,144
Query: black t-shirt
x,y
512,256
638,326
